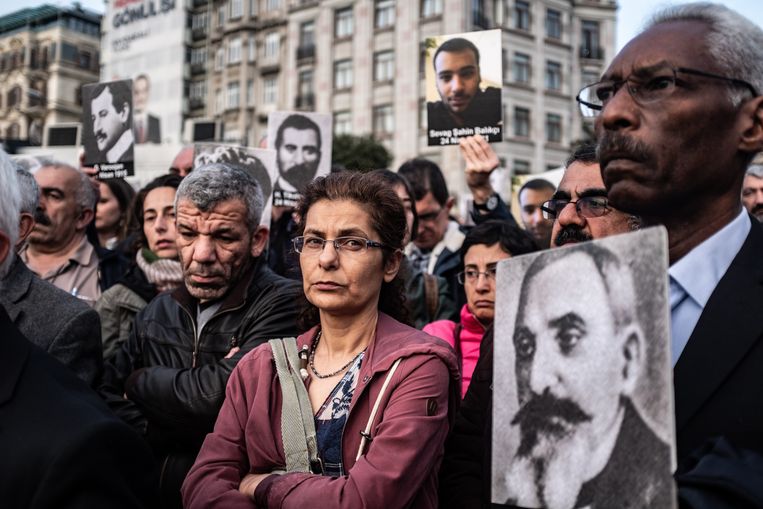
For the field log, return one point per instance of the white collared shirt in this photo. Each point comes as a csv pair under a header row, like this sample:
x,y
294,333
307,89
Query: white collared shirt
x,y
698,273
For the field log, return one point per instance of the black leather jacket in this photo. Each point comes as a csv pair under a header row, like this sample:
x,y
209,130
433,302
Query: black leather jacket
x,y
174,376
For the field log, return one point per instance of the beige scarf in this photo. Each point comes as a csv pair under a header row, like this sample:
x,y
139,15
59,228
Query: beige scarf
x,y
164,273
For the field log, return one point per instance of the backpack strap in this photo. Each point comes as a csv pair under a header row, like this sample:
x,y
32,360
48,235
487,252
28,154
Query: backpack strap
x,y
366,434
297,424
431,295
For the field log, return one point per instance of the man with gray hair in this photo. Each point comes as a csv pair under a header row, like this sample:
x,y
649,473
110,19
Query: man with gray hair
x,y
679,118
59,323
58,249
752,191
168,379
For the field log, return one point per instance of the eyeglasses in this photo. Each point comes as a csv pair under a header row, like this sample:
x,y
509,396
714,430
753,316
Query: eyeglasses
x,y
314,245
473,275
645,86
589,206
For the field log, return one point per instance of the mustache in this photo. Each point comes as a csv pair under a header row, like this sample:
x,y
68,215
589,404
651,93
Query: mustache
x,y
615,145
571,233
757,209
300,174
41,218
541,415
100,134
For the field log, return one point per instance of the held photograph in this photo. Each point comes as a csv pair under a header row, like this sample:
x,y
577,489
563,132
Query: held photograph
x,y
583,409
463,87
108,136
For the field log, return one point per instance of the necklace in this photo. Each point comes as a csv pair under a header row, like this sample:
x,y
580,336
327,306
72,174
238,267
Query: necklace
x,y
312,360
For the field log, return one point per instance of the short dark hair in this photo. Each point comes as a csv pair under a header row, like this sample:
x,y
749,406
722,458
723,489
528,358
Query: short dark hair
x,y
395,179
585,153
135,218
424,177
456,45
385,211
300,123
512,239
537,185
121,93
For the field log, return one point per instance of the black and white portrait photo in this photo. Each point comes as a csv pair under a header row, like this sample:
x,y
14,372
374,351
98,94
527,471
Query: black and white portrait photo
x,y
108,135
302,142
464,80
258,162
583,412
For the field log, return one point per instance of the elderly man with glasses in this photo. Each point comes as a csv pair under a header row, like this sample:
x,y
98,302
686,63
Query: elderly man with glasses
x,y
679,118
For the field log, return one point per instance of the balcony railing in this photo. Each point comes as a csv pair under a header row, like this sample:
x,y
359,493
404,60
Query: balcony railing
x,y
306,51
198,33
593,53
196,103
305,101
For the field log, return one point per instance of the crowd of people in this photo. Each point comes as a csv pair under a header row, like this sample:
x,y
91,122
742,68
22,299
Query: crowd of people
x,y
156,352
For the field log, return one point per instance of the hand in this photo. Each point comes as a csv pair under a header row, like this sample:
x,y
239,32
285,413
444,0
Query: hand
x,y
232,352
480,160
249,483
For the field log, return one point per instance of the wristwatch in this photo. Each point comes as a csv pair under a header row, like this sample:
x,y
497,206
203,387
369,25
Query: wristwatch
x,y
489,205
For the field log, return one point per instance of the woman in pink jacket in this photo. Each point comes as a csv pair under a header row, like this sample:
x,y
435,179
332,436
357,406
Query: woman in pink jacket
x,y
484,246
350,244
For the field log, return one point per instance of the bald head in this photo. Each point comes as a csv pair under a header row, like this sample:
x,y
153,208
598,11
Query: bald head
x,y
182,165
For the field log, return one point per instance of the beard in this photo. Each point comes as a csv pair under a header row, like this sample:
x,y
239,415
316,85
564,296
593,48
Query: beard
x,y
549,467
300,175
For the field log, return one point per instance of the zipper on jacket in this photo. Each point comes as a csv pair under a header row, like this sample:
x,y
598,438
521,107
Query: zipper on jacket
x,y
195,353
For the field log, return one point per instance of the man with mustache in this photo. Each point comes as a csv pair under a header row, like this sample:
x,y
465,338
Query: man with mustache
x,y
579,354
168,379
680,117
465,475
298,154
591,216
462,102
111,116
752,191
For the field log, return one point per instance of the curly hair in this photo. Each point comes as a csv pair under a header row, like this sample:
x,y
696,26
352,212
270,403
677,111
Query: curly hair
x,y
385,210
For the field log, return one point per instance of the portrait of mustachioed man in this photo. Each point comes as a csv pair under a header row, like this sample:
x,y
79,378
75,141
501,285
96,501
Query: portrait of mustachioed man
x,y
582,396
108,119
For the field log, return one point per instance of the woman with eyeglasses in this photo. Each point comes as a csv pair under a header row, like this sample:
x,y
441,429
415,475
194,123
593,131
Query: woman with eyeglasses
x,y
484,246
381,394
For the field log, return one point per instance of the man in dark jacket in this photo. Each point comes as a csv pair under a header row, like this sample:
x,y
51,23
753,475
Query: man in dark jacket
x,y
168,380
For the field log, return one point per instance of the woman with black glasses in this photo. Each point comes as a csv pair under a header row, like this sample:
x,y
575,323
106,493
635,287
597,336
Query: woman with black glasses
x,y
379,395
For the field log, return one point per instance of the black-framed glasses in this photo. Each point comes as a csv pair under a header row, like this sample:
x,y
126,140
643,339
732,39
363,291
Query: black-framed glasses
x,y
645,86
350,244
588,206
473,275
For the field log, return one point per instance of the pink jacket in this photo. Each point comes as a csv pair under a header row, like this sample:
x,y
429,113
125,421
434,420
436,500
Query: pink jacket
x,y
400,465
471,338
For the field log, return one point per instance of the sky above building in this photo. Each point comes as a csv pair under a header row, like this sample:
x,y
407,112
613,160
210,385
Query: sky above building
x,y
630,17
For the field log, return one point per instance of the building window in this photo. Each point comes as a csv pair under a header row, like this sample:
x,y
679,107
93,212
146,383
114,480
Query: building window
x,y
553,75
219,59
234,51
233,95
305,95
384,121
384,13
273,5
522,15
199,56
343,74
219,105
384,66
553,128
14,96
553,24
342,122
521,68
590,40
250,92
520,167
343,23
199,21
252,48
236,8
589,78
221,16
253,7
479,20
270,90
272,43
431,8
521,122
307,34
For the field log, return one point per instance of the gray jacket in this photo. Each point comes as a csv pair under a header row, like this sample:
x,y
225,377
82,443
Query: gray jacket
x,y
62,325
